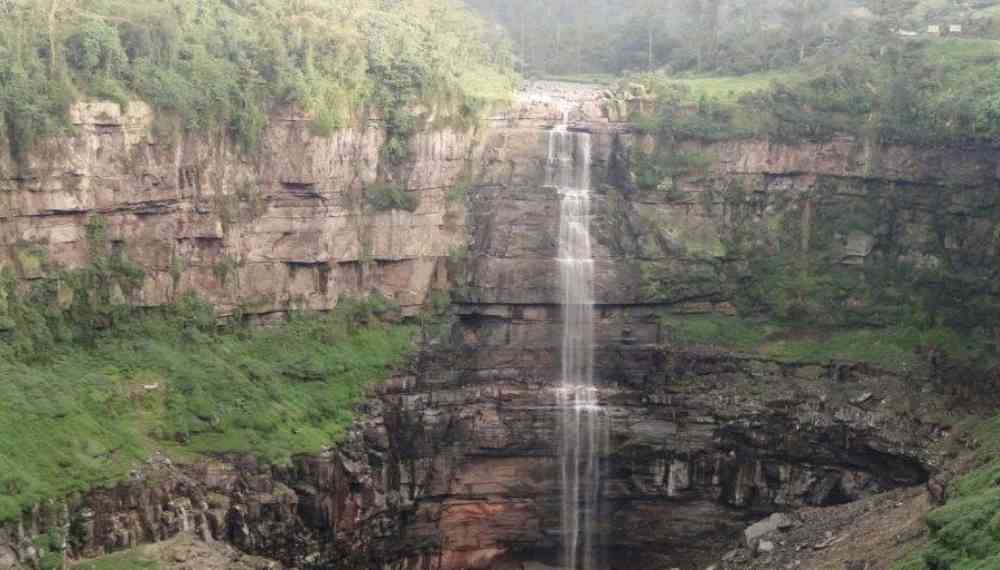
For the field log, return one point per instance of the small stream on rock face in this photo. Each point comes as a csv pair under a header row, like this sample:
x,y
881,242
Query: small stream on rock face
x,y
584,426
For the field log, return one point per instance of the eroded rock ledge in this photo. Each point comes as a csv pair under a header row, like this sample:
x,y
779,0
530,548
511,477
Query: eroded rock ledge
x,y
452,464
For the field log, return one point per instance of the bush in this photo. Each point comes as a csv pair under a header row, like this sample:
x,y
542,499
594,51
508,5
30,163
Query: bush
x,y
385,197
217,65
925,92
658,170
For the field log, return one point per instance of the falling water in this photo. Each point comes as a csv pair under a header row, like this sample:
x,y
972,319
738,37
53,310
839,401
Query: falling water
x,y
583,435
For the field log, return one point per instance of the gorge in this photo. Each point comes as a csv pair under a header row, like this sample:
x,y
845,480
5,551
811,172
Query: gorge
x,y
561,421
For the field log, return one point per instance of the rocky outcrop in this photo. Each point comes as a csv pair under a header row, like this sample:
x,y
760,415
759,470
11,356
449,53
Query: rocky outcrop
x,y
287,225
283,226
701,444
453,463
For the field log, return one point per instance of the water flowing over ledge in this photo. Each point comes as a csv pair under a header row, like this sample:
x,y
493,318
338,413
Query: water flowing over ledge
x,y
583,422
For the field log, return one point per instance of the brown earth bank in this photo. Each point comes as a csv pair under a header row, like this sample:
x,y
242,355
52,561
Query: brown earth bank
x,y
453,463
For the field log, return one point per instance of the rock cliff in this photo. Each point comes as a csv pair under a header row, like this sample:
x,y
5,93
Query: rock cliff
x,y
453,461
285,226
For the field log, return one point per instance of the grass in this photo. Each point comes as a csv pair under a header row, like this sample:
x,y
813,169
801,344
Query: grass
x,y
585,78
729,89
961,53
735,333
722,112
90,414
893,348
929,91
965,532
130,560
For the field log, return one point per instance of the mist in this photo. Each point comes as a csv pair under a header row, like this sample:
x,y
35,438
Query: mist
x,y
715,36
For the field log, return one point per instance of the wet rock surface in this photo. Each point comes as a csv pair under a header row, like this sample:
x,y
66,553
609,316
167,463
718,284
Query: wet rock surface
x,y
453,463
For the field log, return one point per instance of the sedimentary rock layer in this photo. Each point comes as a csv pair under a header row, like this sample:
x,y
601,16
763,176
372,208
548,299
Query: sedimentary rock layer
x,y
453,463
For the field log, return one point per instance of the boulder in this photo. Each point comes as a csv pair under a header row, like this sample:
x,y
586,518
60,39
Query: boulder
x,y
760,529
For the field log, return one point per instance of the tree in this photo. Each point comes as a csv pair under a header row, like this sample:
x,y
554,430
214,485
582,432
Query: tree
x,y
802,17
888,16
704,31
651,14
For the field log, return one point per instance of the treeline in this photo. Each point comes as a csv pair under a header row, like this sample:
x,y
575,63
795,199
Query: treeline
x,y
924,93
221,63
711,36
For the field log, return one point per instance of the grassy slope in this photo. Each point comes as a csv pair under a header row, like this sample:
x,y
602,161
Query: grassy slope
x,y
951,95
728,89
91,414
130,560
965,532
958,59
892,348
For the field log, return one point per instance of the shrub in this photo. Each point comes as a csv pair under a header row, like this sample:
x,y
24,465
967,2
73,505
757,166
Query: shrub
x,y
216,65
385,197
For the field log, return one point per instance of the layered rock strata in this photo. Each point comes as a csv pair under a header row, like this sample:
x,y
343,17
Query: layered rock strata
x,y
453,464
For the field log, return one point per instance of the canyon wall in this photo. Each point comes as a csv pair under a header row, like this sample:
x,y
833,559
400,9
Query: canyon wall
x,y
284,226
453,462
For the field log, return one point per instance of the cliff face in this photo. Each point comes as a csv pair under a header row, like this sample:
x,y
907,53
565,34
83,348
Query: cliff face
x,y
286,226
453,463
289,226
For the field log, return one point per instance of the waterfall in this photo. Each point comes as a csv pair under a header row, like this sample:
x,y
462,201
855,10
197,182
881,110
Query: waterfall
x,y
583,426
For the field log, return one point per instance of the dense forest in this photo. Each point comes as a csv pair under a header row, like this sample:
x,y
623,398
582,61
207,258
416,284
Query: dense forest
x,y
220,64
719,36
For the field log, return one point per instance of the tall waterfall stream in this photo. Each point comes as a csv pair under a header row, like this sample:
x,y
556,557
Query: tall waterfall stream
x,y
583,422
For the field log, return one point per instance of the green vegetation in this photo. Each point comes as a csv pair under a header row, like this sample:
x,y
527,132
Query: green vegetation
x,y
457,193
965,532
660,169
584,78
219,65
730,332
225,268
69,305
50,550
782,263
923,91
894,348
722,37
88,415
611,36
457,265
129,560
93,386
384,197
729,89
